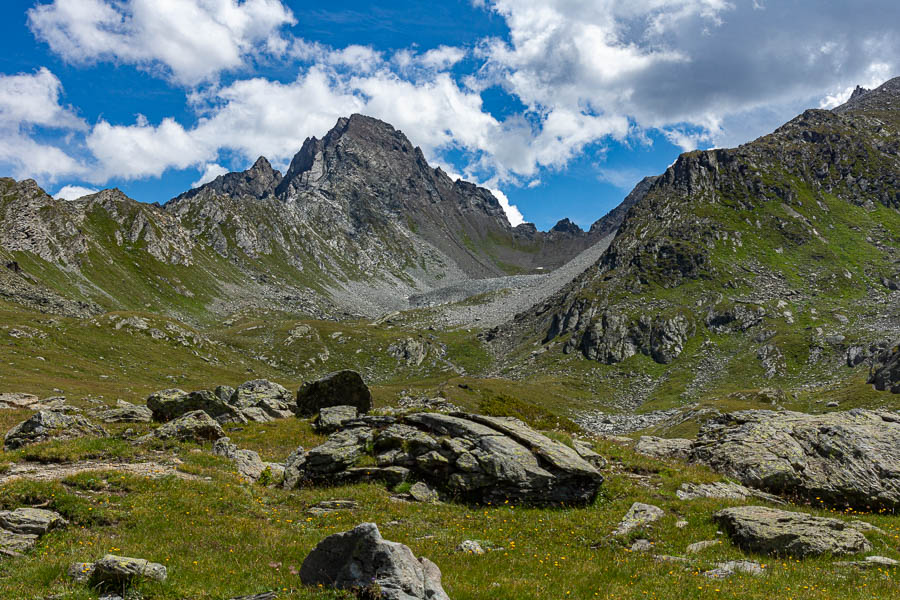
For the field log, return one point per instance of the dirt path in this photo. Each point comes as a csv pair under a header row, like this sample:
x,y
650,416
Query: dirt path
x,y
49,472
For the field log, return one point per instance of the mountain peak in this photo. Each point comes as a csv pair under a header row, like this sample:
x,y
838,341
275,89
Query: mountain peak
x,y
566,226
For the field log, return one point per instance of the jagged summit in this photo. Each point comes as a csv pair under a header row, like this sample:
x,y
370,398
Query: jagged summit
x,y
884,97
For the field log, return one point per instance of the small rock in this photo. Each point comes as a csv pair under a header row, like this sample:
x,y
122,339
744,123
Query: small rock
x,y
700,546
31,521
420,492
470,547
642,546
724,490
248,462
121,571
681,524
81,572
727,569
639,515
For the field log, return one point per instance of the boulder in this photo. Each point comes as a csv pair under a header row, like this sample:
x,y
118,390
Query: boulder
x,y
121,571
17,400
472,457
271,398
638,516
14,544
196,426
420,492
783,533
344,388
886,372
361,560
332,418
172,404
841,458
247,462
31,521
48,425
126,412
665,448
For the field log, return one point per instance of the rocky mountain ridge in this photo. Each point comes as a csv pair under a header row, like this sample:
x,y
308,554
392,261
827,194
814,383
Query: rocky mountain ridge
x,y
359,222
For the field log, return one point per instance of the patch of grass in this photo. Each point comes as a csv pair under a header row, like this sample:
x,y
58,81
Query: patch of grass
x,y
502,405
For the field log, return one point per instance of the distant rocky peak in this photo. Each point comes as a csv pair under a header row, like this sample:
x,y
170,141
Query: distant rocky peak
x,y
259,181
859,91
566,226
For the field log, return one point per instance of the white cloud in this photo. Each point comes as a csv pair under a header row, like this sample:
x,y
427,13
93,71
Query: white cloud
x,y
28,101
192,40
513,215
210,172
74,192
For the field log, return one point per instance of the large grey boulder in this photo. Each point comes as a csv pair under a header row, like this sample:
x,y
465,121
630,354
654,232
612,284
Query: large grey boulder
x,y
470,457
782,533
48,425
842,458
886,373
196,426
171,404
666,448
14,544
361,559
342,388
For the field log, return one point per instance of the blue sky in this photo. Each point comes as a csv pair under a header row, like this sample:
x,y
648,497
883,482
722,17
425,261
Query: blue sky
x,y
560,106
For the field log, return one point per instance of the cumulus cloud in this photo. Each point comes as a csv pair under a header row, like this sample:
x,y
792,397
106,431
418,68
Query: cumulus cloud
x,y
190,40
513,214
210,172
29,101
74,192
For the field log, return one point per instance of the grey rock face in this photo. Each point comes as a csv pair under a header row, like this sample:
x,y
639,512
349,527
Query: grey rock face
x,y
638,516
664,447
611,339
886,375
259,400
47,425
843,458
195,426
362,559
344,388
411,351
120,571
332,418
341,450
778,532
14,544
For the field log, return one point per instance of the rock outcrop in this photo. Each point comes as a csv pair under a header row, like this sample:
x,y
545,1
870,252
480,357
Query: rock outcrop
x,y
886,373
126,412
21,528
841,458
48,425
782,533
259,400
344,388
470,457
362,561
664,447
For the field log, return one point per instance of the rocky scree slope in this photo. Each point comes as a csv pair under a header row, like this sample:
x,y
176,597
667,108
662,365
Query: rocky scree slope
x,y
781,253
358,210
